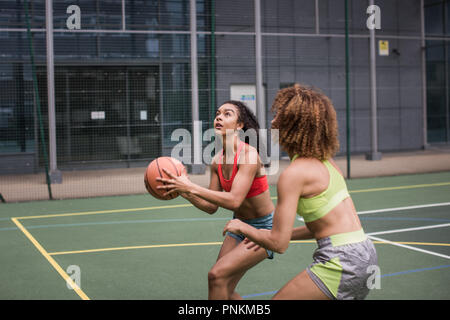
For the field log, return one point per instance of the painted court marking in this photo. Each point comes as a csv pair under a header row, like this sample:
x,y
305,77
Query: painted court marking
x,y
421,206
139,247
103,212
410,229
209,219
403,244
409,247
52,261
173,245
83,296
190,205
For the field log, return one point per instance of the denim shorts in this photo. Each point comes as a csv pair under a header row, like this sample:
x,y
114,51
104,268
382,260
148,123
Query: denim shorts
x,y
264,222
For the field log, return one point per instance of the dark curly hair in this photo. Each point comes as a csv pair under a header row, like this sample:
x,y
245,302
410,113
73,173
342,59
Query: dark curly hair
x,y
306,120
248,119
245,116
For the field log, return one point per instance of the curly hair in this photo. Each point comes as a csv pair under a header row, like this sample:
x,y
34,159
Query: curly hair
x,y
245,116
306,120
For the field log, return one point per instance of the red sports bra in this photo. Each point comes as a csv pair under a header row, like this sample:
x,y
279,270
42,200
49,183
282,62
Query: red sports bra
x,y
258,186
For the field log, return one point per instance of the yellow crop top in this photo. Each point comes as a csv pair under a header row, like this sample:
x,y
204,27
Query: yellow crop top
x,y
318,206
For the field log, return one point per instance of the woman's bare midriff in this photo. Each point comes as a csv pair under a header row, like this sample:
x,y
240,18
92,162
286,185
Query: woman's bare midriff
x,y
341,219
255,207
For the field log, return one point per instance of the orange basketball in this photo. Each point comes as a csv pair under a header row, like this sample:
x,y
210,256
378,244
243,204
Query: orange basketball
x,y
154,170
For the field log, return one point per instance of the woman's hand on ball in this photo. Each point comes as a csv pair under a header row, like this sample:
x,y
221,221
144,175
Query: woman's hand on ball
x,y
180,184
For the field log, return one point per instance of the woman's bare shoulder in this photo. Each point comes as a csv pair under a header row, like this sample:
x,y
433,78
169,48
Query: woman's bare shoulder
x,y
301,168
249,155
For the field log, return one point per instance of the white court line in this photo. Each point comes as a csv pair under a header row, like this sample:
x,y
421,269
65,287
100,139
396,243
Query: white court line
x,y
370,235
442,204
409,247
410,229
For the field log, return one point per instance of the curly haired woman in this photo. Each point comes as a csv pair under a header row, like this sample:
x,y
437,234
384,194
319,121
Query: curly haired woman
x,y
313,186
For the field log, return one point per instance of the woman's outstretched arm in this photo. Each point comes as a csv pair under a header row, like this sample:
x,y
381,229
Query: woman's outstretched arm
x,y
229,200
203,204
289,190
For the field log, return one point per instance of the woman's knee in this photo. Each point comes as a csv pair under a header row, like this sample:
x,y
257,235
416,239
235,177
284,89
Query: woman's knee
x,y
217,276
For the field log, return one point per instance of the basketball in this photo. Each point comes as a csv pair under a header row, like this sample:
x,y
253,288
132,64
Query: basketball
x,y
154,170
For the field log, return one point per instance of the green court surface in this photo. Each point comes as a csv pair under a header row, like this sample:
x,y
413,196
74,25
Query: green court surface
x,y
137,247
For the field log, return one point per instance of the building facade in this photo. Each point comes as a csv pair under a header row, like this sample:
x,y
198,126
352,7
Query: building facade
x,y
122,73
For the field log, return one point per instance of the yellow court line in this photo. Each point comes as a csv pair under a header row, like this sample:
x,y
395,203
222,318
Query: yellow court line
x,y
104,211
51,260
190,205
216,243
138,247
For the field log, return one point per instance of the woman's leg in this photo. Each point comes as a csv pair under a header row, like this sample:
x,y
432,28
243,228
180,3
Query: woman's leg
x,y
233,261
301,287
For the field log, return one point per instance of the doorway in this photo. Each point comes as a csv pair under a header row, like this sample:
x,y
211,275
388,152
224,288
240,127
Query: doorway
x,y
106,113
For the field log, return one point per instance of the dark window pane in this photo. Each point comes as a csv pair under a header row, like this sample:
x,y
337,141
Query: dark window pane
x,y
434,19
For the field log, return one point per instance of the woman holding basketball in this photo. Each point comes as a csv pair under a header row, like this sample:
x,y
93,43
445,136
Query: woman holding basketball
x,y
314,187
238,171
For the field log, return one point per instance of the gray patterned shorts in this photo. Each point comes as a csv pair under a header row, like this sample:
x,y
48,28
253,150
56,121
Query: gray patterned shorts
x,y
341,265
